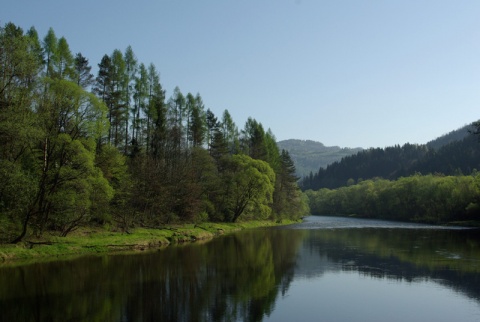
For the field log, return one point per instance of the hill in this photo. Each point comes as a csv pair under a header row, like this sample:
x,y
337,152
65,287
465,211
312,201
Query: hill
x,y
309,156
453,153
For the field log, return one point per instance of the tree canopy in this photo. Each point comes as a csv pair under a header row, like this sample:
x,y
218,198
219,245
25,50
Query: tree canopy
x,y
78,149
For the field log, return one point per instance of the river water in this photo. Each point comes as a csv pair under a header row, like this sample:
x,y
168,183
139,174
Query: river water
x,y
324,269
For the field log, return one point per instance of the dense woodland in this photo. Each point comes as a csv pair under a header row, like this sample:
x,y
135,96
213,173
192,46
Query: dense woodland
x,y
429,199
111,149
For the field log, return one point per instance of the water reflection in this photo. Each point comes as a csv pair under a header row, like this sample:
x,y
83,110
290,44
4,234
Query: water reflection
x,y
233,278
242,277
451,258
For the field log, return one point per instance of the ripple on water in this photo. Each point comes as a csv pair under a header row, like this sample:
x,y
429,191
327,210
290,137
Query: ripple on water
x,y
330,222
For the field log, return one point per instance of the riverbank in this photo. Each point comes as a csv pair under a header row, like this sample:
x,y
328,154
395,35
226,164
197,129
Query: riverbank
x,y
95,240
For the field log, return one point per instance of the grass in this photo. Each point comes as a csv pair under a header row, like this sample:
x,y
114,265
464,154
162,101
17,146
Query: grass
x,y
95,240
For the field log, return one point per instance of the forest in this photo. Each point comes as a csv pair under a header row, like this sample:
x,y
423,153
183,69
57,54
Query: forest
x,y
111,149
436,199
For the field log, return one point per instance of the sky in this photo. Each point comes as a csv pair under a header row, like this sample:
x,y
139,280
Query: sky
x,y
351,73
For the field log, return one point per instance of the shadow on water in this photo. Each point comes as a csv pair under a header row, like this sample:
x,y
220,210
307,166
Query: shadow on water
x,y
238,277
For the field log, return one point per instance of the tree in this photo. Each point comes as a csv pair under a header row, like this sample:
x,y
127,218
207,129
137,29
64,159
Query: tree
x,y
196,128
84,77
20,64
17,191
64,64
156,109
288,200
158,114
176,107
230,132
219,148
109,86
131,63
102,88
104,79
114,167
74,192
19,129
118,111
249,188
50,44
140,106
34,46
253,140
212,127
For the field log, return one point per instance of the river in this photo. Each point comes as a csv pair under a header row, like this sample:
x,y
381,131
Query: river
x,y
324,269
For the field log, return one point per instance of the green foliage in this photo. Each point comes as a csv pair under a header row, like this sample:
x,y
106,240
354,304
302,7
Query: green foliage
x,y
65,63
113,164
122,155
230,132
68,108
50,43
83,76
430,199
17,191
253,141
248,188
289,201
76,189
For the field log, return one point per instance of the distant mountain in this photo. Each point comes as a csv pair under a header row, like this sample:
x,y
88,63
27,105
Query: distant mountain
x,y
309,156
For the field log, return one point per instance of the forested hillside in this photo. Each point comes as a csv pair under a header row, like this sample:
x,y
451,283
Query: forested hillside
x,y
82,149
445,155
309,156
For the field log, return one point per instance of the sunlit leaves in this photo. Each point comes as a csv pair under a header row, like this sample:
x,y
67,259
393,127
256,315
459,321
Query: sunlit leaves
x,y
68,108
76,187
435,199
250,185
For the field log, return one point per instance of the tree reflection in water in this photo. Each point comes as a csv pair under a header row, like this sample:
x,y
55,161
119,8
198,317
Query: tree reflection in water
x,y
237,277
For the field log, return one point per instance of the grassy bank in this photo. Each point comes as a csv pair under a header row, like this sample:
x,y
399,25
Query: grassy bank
x,y
90,240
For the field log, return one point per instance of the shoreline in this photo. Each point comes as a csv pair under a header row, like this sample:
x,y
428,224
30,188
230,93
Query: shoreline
x,y
98,240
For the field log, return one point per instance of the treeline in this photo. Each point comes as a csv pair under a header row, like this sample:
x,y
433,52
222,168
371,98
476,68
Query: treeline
x,y
77,149
455,158
429,199
388,163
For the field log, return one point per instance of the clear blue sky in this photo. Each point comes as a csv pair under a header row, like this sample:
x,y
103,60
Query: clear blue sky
x,y
349,73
